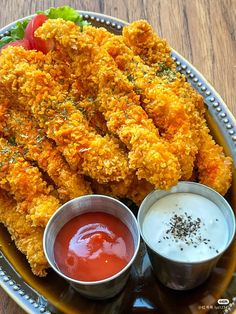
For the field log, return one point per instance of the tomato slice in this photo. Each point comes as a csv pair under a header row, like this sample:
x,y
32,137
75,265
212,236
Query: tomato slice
x,y
22,42
37,43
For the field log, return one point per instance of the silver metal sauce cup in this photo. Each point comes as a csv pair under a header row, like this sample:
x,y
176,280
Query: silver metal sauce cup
x,y
108,287
175,274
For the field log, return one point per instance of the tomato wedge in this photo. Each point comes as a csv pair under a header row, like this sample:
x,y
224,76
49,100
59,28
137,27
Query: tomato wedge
x,y
37,43
22,42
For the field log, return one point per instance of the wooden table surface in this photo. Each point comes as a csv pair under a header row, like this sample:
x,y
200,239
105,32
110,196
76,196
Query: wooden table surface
x,y
203,31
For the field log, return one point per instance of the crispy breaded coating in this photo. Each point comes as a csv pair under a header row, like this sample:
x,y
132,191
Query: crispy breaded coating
x,y
28,239
3,109
94,117
115,189
98,157
188,150
140,37
167,111
155,52
139,189
184,90
135,190
120,106
84,149
170,116
114,107
98,35
35,146
148,155
23,181
215,169
100,111
78,46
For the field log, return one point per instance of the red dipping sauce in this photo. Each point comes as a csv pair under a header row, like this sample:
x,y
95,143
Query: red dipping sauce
x,y
93,246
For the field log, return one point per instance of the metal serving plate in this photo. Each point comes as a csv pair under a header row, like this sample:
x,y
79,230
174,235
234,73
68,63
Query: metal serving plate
x,y
143,293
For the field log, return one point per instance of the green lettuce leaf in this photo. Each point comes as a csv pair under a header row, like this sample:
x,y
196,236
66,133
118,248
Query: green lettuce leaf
x,y
66,13
5,40
17,33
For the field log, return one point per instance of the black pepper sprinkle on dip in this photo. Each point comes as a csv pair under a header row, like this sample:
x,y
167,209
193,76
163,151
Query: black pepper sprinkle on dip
x,y
185,227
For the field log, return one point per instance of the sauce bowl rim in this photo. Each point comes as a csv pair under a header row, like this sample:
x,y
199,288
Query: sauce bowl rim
x,y
202,186
60,210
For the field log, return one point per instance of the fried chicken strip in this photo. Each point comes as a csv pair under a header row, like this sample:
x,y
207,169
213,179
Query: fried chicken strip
x,y
148,153
28,239
179,134
86,107
215,169
156,53
167,110
180,114
131,187
119,104
145,43
24,182
36,147
84,149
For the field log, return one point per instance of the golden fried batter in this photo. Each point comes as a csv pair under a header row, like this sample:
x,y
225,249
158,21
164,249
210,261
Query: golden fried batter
x,y
119,104
84,149
167,110
145,43
110,108
23,181
215,169
24,131
28,239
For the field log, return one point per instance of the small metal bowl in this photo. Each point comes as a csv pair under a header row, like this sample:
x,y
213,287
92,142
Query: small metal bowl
x,y
102,289
180,275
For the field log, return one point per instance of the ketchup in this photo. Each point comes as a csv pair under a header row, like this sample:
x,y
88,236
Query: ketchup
x,y
93,246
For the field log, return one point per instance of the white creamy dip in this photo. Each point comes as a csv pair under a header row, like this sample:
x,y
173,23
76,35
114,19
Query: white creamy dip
x,y
185,227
